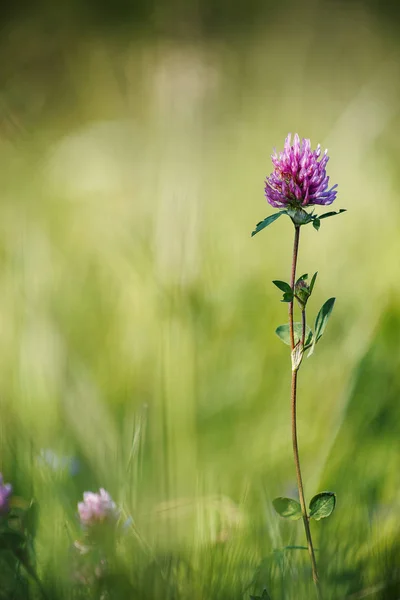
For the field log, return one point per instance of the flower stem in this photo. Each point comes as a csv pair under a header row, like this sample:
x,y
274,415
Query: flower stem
x,y
294,417
293,280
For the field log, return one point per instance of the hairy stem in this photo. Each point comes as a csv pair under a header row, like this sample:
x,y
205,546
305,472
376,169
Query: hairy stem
x,y
294,417
293,280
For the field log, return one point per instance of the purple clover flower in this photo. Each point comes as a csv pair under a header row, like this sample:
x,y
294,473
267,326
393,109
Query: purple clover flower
x,y
299,178
97,508
5,493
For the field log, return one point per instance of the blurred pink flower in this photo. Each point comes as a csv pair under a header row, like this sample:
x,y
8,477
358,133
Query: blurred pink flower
x,y
97,508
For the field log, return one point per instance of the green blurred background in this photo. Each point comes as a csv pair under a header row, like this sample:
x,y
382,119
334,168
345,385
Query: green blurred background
x,y
137,315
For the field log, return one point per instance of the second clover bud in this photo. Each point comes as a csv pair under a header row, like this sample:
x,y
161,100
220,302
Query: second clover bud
x,y
302,292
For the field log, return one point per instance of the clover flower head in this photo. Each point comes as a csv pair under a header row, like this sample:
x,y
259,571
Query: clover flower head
x,y
97,508
5,493
299,178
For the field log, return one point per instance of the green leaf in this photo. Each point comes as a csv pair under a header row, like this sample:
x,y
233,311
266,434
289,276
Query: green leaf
x,y
287,508
282,285
322,505
283,332
295,548
316,223
331,214
322,318
321,321
267,221
312,282
288,297
286,289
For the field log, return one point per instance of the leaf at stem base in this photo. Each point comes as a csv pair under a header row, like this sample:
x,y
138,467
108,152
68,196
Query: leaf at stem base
x,y
322,505
287,508
283,332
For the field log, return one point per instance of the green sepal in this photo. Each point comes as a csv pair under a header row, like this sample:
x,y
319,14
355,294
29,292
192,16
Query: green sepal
x,y
322,505
287,508
267,221
299,216
316,223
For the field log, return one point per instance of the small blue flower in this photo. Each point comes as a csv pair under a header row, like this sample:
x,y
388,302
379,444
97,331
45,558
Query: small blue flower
x,y
55,462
